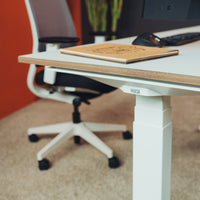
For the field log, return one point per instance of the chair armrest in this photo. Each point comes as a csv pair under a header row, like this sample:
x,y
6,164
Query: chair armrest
x,y
59,39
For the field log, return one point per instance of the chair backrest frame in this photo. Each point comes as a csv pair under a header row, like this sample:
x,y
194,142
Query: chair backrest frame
x,y
38,91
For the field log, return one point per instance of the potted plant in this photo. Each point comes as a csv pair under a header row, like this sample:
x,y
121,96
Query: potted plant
x,y
116,9
97,14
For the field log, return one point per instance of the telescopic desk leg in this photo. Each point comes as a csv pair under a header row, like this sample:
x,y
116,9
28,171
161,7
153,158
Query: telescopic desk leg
x,y
152,148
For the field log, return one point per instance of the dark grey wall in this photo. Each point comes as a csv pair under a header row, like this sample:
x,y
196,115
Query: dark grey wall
x,y
131,22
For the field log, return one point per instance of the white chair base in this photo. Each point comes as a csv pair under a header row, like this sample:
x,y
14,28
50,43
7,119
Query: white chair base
x,y
69,129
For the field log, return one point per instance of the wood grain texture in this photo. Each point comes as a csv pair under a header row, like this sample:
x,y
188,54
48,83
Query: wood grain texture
x,y
134,73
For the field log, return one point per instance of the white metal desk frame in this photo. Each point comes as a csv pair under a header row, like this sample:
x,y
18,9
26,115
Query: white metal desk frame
x,y
152,135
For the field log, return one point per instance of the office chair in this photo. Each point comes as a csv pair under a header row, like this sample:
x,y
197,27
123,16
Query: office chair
x,y
52,27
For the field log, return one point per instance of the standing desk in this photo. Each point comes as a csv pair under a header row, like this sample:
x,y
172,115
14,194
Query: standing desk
x,y
153,82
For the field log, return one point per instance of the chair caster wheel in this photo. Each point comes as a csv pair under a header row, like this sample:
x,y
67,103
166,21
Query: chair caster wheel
x,y
77,139
113,162
127,135
43,164
33,138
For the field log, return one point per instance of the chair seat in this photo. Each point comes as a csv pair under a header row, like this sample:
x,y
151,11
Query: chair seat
x,y
71,80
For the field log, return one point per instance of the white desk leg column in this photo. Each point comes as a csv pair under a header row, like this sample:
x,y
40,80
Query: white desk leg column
x,y
152,148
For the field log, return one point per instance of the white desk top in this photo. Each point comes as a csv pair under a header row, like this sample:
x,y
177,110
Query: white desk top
x,y
184,68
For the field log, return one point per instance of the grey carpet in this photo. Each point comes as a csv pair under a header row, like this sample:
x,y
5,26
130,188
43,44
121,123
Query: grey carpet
x,y
80,172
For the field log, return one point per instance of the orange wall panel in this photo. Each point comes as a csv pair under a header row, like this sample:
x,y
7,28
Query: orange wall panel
x,y
15,40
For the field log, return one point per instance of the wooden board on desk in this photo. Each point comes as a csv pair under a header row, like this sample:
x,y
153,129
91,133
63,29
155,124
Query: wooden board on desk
x,y
119,52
